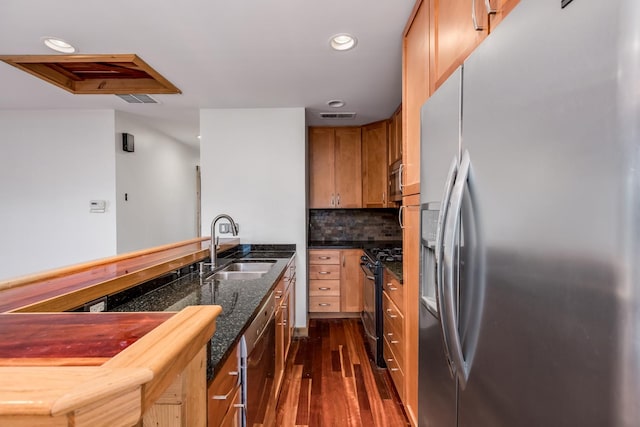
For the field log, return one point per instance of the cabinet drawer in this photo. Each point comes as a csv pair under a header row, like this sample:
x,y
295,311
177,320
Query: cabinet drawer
x,y
395,369
324,257
222,390
324,272
324,288
393,318
395,341
324,304
392,286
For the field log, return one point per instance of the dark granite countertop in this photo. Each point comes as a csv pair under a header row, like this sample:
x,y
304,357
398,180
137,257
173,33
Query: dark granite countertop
x,y
240,299
395,268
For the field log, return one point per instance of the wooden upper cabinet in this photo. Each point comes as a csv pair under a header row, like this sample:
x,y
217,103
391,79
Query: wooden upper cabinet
x,y
335,171
395,136
455,33
321,167
375,166
348,168
415,92
502,8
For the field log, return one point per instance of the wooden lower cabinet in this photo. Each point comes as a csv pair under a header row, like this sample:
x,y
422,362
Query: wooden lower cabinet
x,y
351,281
410,280
285,296
393,320
223,392
335,281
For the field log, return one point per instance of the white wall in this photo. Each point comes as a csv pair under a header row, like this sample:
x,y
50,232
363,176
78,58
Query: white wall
x,y
159,178
253,168
52,163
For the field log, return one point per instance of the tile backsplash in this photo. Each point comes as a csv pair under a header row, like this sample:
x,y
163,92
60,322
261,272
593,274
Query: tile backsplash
x,y
336,225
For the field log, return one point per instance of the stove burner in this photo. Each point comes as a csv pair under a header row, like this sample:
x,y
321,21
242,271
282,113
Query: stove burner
x,y
387,254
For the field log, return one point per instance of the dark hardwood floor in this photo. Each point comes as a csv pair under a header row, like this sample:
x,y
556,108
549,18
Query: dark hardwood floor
x,y
330,380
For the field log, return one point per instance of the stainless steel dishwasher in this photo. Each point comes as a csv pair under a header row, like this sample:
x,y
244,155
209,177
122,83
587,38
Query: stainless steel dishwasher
x,y
259,372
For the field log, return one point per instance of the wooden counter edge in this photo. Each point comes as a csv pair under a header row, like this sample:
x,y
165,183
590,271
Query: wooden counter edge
x,y
65,271
169,348
55,391
73,299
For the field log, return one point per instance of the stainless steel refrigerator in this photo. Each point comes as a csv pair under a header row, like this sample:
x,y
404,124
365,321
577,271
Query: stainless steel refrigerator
x,y
530,225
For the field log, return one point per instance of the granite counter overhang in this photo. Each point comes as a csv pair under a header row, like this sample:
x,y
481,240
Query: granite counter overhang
x,y
240,299
394,267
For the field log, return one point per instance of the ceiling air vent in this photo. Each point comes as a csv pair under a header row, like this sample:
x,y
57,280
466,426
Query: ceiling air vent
x,y
337,115
137,98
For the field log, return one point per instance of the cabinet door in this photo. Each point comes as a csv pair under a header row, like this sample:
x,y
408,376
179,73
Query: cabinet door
x,y
221,392
454,34
397,149
502,7
348,167
321,168
395,136
351,281
410,273
280,349
375,166
415,93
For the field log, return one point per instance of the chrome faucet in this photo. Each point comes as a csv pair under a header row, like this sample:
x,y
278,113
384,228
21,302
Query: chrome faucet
x,y
214,239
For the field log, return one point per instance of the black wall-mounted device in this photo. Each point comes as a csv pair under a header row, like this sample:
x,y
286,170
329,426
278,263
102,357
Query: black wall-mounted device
x,y
127,142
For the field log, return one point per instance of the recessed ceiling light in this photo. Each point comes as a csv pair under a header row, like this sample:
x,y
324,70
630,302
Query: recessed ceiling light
x,y
58,45
336,103
343,42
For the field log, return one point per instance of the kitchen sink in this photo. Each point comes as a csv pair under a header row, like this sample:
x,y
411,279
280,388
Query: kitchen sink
x,y
249,266
238,275
243,271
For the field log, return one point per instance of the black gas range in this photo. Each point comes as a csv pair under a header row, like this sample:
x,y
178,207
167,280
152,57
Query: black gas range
x,y
373,269
390,254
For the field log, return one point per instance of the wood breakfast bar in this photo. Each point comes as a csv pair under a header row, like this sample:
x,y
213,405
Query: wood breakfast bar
x,y
103,369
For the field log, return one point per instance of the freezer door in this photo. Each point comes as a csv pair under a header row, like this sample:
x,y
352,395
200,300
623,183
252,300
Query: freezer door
x,y
542,115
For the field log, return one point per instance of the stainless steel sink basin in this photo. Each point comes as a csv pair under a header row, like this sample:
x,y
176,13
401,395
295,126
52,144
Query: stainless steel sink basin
x,y
238,275
249,266
243,271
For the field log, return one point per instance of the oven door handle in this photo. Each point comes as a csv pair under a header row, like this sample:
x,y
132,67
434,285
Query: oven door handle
x,y
367,272
366,331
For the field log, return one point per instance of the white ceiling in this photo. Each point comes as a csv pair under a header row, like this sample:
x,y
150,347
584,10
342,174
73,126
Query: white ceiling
x,y
233,54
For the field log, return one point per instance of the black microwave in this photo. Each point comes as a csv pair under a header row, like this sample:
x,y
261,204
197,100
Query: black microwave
x,y
395,181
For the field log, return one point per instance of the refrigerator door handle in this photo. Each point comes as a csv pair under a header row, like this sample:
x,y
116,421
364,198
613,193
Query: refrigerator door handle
x,y
442,218
450,314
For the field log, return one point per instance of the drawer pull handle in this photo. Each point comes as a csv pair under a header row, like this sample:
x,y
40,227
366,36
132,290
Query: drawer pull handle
x,y
389,311
324,304
234,373
324,272
222,396
391,287
394,341
324,288
324,257
389,334
278,296
394,369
